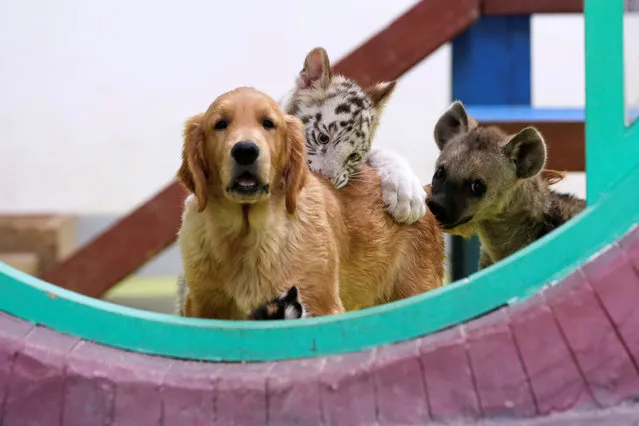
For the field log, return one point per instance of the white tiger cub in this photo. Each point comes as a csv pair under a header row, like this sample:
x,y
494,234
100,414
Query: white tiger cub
x,y
340,119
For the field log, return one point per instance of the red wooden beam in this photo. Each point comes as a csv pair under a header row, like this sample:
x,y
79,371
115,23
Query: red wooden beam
x,y
565,140
131,242
526,7
124,247
408,40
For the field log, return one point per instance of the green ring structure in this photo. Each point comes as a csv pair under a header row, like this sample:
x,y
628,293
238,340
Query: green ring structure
x,y
613,208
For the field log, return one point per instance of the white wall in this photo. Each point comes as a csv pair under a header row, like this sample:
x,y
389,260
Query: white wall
x,y
93,94
558,72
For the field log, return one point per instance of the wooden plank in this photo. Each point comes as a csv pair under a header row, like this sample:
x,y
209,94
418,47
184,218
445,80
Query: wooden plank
x,y
554,376
123,248
12,334
616,282
562,128
347,389
25,262
500,377
408,40
89,393
136,380
607,367
526,7
400,389
293,389
51,237
448,377
36,391
132,241
565,141
240,396
188,390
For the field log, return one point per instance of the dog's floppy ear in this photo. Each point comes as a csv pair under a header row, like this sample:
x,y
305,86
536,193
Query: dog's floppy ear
x,y
296,168
527,150
453,122
317,68
194,170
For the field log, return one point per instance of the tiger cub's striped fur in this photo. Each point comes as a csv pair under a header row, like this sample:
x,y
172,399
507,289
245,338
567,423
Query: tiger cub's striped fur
x,y
340,120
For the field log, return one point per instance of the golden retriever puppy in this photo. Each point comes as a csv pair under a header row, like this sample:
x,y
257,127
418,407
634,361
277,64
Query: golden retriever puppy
x,y
258,221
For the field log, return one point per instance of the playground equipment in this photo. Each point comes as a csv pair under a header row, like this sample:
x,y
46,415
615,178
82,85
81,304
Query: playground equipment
x,y
550,331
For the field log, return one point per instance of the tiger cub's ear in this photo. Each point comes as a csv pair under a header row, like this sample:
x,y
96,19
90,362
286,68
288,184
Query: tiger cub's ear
x,y
380,93
316,71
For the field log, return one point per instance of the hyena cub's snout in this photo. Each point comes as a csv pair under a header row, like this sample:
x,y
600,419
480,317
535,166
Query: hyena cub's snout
x,y
437,207
445,212
448,205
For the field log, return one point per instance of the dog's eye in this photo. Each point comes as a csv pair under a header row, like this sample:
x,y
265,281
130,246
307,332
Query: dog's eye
x,y
268,124
478,187
354,157
440,173
323,138
221,124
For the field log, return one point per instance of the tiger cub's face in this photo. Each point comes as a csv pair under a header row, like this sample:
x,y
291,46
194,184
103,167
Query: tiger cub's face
x,y
340,118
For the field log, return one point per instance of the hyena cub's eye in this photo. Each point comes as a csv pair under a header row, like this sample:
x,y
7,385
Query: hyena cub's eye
x,y
440,173
354,157
478,188
323,138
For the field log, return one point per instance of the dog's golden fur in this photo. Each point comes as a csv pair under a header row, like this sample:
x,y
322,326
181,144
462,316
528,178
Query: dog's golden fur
x,y
339,246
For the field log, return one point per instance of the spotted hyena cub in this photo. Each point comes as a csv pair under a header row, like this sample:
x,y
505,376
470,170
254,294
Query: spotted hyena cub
x,y
286,306
340,120
494,185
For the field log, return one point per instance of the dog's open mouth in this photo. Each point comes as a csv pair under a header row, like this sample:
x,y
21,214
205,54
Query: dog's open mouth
x,y
246,183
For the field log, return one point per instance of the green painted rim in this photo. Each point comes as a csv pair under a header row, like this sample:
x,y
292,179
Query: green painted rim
x,y
610,214
519,276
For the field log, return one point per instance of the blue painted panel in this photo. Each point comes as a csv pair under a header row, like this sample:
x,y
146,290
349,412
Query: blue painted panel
x,y
491,62
516,113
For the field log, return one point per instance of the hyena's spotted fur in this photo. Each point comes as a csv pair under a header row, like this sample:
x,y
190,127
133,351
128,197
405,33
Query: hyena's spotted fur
x,y
340,119
494,185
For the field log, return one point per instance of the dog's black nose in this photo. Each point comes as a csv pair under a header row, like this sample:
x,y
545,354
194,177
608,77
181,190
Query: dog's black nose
x,y
245,152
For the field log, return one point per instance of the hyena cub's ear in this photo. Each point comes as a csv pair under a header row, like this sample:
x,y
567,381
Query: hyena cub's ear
x,y
380,93
454,121
527,150
317,68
